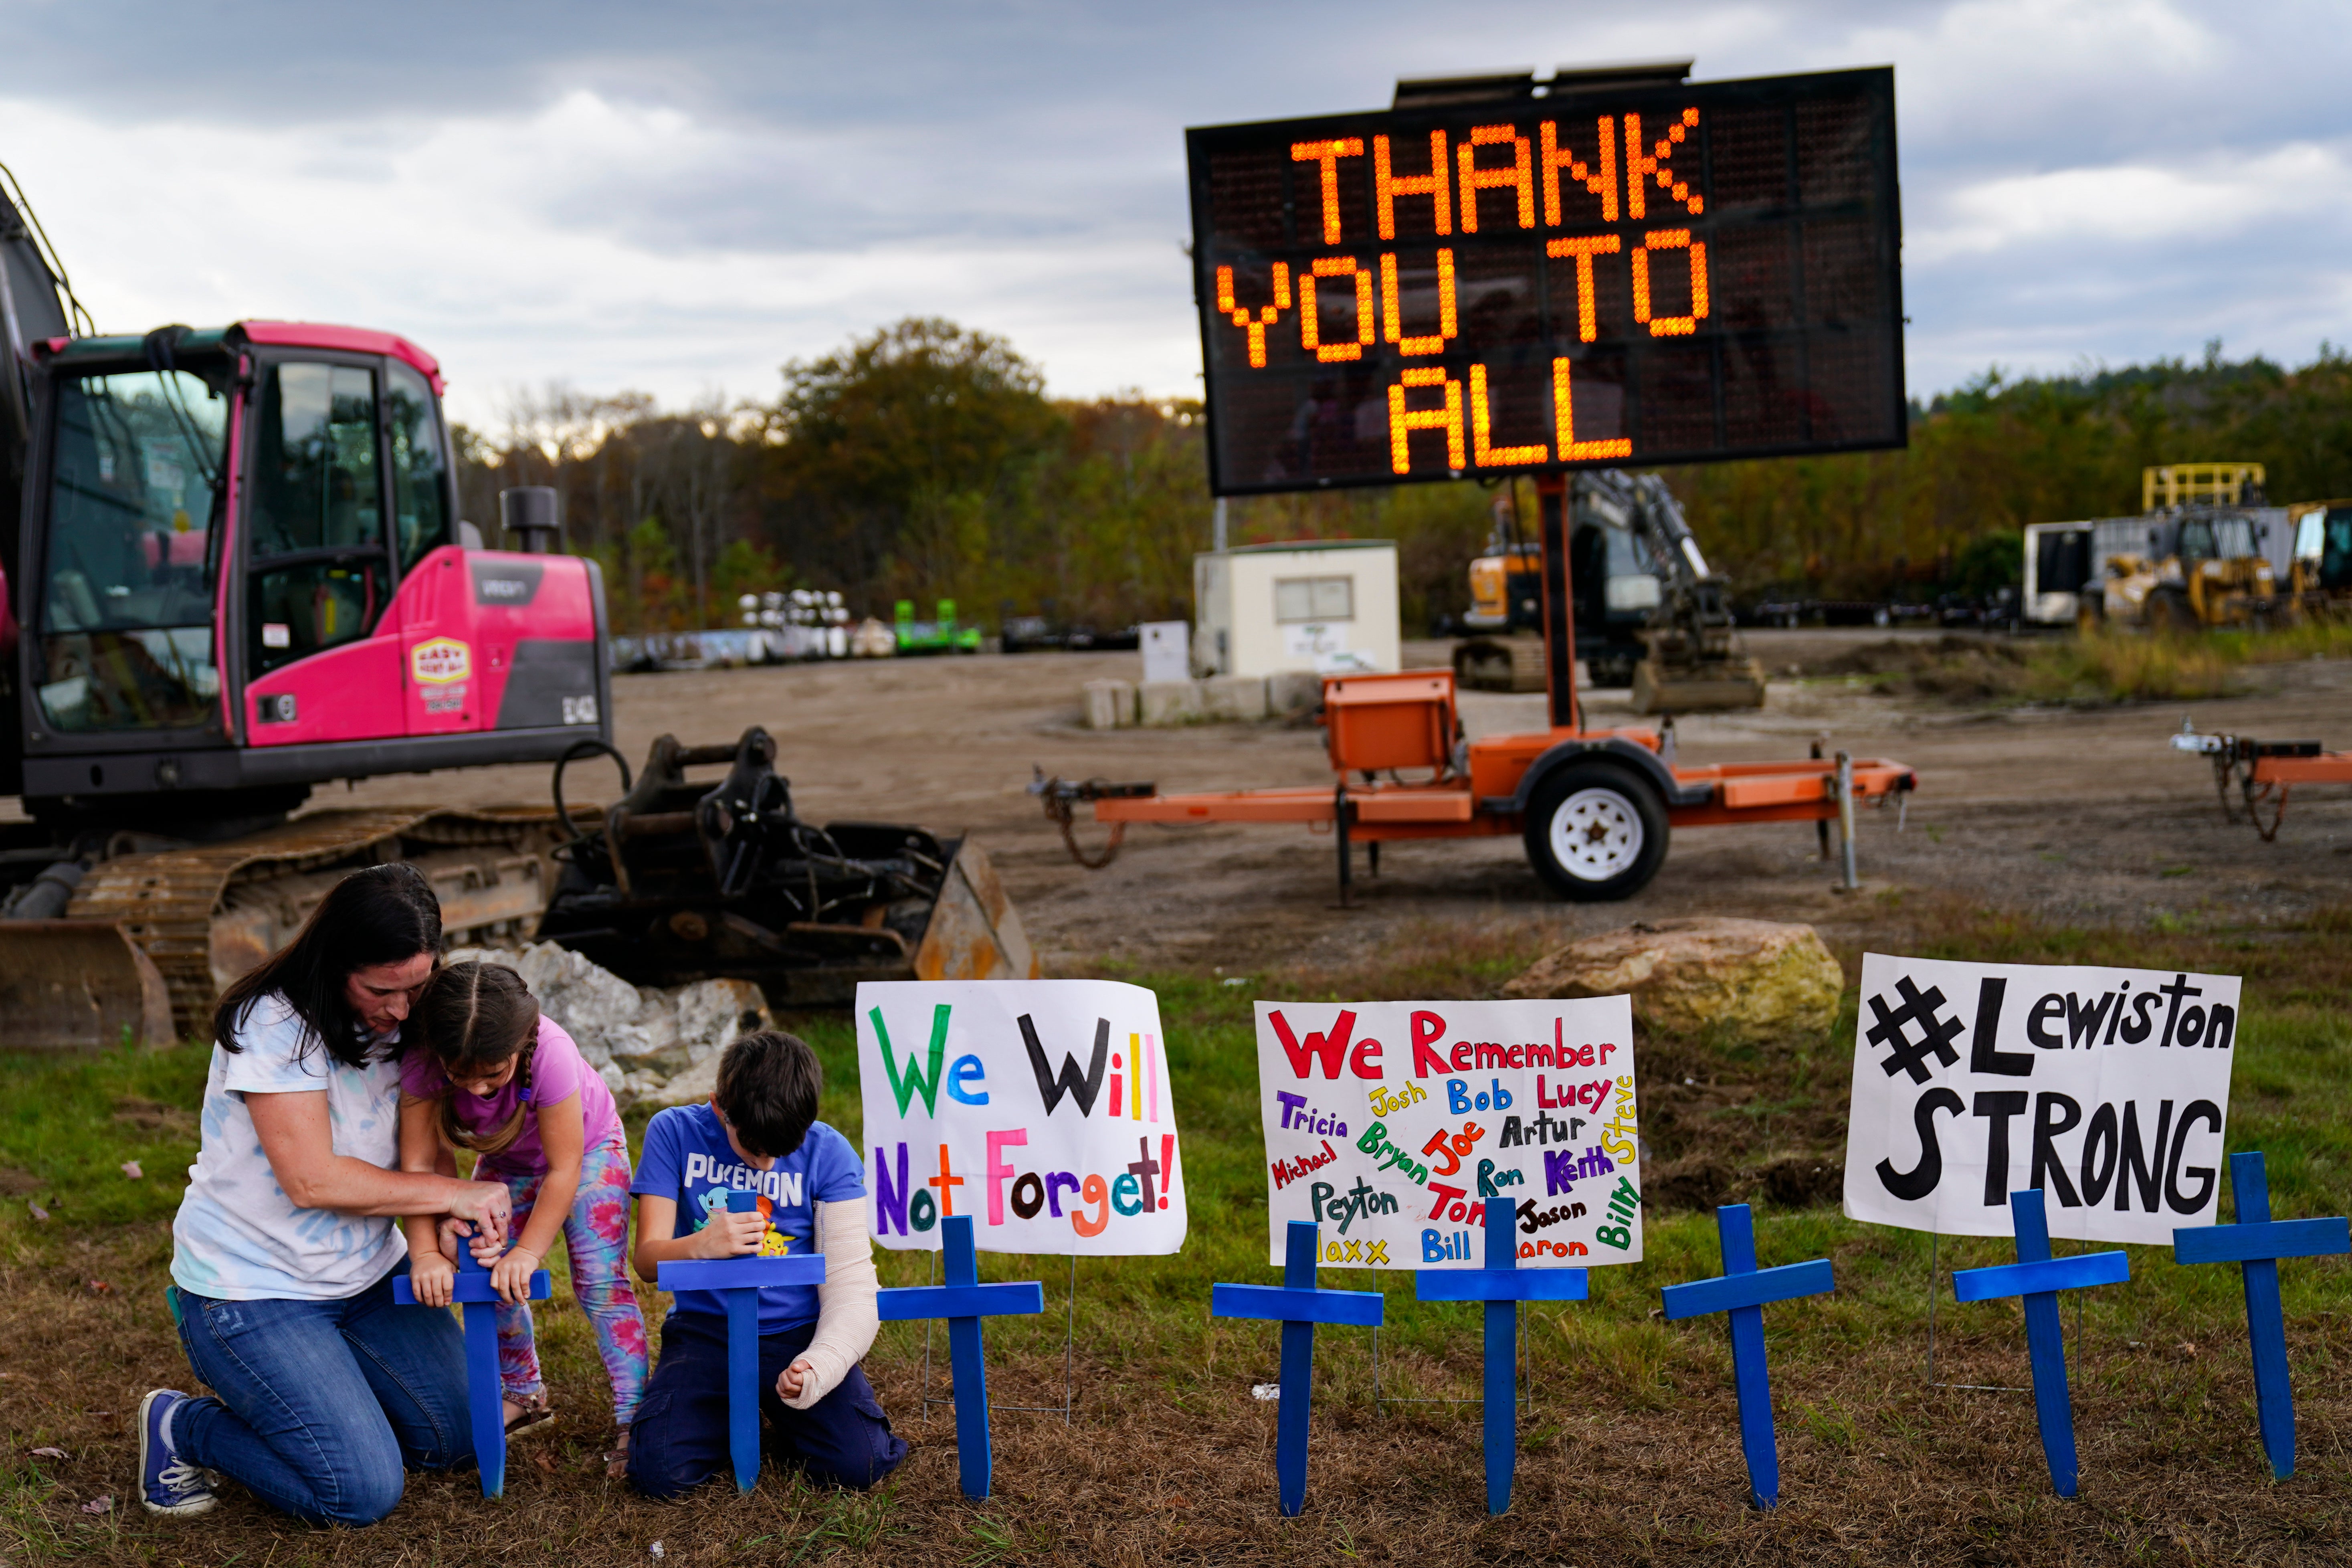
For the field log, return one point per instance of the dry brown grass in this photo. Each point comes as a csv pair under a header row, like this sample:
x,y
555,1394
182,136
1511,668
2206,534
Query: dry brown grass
x,y
1629,1451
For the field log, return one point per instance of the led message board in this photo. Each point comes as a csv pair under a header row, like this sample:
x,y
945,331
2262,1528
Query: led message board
x,y
1612,275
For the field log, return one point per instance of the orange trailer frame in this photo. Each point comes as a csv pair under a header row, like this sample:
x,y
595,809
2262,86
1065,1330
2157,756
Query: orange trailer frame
x,y
2266,771
1595,807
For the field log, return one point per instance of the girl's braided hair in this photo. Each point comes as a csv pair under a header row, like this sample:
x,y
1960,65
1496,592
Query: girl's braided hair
x,y
475,1016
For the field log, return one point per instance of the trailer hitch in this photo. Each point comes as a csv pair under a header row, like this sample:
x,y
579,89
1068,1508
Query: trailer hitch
x,y
1061,797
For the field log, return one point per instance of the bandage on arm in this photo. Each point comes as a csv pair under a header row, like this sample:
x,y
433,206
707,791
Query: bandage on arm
x,y
845,1319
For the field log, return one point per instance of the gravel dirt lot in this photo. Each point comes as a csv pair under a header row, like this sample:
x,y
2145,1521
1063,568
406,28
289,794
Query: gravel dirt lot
x,y
2069,816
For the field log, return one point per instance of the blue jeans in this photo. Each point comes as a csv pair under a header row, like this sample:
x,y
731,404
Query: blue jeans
x,y
679,1439
322,1404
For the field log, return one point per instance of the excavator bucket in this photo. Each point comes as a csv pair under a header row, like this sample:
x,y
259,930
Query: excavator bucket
x,y
700,879
1708,687
80,985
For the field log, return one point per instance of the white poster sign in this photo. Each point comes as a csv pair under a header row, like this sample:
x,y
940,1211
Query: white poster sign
x,y
2105,1087
1389,1123
1040,1108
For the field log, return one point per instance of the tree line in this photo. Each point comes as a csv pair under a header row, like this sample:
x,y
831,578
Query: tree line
x,y
924,460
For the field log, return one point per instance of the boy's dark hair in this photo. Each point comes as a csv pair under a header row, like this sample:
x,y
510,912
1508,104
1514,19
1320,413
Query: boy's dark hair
x,y
769,1082
473,1017
384,914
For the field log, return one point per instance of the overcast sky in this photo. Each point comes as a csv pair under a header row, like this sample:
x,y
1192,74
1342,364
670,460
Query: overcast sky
x,y
679,198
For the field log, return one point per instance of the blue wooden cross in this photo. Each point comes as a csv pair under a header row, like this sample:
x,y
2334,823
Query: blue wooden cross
x,y
739,1281
485,1398
2255,1244
1298,1306
963,1300
1502,1285
1742,1294
2038,1277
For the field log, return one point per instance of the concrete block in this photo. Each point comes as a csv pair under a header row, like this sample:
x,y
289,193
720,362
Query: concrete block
x,y
1233,697
1109,704
1293,691
1171,701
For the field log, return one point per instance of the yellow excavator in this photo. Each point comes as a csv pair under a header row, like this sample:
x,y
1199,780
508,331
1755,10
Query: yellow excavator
x,y
1649,612
2204,566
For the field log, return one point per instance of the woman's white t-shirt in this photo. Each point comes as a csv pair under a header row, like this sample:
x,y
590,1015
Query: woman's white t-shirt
x,y
238,1236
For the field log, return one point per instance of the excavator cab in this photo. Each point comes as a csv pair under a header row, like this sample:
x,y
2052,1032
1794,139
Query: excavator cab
x,y
239,573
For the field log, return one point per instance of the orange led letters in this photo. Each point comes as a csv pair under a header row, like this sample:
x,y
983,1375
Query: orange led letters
x,y
1392,314
1329,154
1310,329
1670,239
1584,250
1387,185
1481,422
1653,163
1254,323
1448,418
1519,176
1563,409
1599,178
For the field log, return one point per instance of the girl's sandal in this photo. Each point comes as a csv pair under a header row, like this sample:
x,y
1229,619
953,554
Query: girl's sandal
x,y
534,1417
617,1459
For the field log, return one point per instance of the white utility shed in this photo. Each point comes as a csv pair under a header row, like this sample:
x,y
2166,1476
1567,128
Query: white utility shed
x,y
1323,604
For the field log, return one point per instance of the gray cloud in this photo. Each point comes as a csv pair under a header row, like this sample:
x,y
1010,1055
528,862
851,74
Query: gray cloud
x,y
683,196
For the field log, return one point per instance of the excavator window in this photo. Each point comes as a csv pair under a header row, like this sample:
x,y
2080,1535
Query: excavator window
x,y
126,608
420,503
321,573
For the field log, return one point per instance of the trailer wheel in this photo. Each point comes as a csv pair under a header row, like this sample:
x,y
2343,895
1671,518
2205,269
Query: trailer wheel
x,y
1595,833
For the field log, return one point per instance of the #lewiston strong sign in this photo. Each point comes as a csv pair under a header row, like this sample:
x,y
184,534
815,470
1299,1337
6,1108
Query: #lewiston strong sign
x,y
2107,1089
1389,1125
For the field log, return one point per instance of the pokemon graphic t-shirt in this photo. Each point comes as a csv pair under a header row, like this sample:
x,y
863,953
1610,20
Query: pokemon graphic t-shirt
x,y
687,1160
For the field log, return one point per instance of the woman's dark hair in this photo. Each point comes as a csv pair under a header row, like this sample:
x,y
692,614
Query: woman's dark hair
x,y
769,1082
478,1017
384,914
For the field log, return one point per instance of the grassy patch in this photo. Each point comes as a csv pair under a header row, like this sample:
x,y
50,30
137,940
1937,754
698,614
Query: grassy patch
x,y
1629,1435
2093,669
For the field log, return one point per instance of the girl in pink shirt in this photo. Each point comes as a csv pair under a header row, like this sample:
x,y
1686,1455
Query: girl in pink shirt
x,y
485,1071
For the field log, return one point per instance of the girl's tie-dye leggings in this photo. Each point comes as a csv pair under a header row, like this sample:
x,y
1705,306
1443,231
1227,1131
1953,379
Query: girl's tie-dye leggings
x,y
596,1240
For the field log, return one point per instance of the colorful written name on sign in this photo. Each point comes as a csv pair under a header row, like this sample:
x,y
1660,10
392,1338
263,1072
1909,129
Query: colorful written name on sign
x,y
1041,1109
1460,1101
1525,282
2106,1089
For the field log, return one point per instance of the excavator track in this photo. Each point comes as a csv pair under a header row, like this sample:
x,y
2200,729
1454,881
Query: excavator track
x,y
204,912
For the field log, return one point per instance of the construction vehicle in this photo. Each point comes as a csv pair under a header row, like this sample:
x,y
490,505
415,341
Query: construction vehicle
x,y
1660,622
235,572
1594,807
2204,567
2320,575
2207,552
2262,771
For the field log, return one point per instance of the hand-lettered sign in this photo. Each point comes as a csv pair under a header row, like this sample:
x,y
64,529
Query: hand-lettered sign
x,y
2104,1087
1387,1124
1040,1108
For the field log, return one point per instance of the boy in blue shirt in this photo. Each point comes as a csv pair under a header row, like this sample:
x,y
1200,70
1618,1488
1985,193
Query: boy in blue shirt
x,y
759,1132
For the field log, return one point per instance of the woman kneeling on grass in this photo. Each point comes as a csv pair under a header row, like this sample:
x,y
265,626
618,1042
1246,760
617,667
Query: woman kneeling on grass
x,y
285,1245
489,1072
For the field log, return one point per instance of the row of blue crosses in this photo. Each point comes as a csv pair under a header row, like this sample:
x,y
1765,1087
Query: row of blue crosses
x,y
2256,1243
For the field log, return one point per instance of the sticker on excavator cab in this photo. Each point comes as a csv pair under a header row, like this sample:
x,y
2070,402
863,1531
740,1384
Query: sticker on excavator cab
x,y
579,710
440,661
